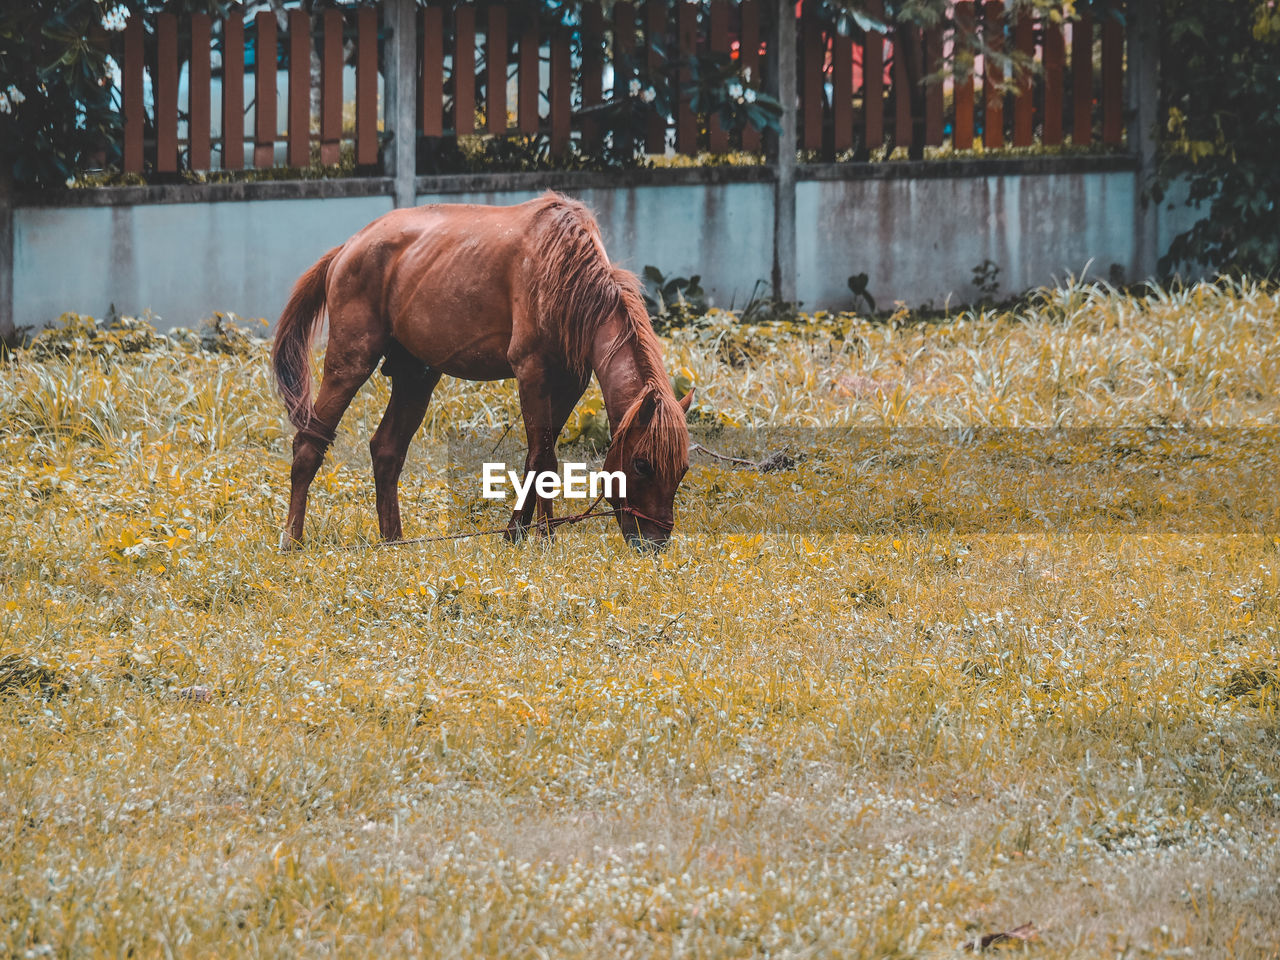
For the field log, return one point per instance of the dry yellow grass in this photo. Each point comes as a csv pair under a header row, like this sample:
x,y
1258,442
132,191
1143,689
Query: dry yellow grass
x,y
882,742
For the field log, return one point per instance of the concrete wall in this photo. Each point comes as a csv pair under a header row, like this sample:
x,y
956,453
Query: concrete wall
x,y
918,240
182,261
917,230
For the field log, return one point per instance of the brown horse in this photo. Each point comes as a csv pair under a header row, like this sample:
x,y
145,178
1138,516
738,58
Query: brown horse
x,y
484,293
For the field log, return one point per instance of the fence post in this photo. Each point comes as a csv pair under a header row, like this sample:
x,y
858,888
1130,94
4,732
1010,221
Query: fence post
x,y
1143,27
8,323
400,91
781,81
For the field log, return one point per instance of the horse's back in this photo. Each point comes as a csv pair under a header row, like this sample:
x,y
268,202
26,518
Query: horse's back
x,y
445,278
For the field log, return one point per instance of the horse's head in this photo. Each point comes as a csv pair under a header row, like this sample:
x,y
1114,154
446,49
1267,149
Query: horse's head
x,y
651,449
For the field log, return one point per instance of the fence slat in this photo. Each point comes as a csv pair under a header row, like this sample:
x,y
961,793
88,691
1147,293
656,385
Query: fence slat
x,y
366,86
962,138
624,45
1082,79
749,61
134,116
902,132
1112,77
717,42
198,110
1023,105
432,72
331,88
299,88
933,93
166,93
527,80
655,18
233,92
592,70
993,77
873,81
561,105
495,94
464,70
1054,57
811,65
264,103
842,93
687,45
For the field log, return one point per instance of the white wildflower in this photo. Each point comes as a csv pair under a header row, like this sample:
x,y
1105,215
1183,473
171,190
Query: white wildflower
x,y
749,95
735,90
114,19
746,74
4,104
16,96
649,95
634,89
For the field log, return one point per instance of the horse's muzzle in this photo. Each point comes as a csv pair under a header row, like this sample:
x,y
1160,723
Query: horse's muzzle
x,y
642,534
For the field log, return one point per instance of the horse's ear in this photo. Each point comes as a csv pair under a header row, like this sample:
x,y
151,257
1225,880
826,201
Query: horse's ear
x,y
687,401
648,407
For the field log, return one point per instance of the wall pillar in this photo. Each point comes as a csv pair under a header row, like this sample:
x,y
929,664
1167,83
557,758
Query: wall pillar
x,y
780,81
8,323
1143,36
400,89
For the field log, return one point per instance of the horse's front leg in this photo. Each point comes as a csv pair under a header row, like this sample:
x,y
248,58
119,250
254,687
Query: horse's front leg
x,y
547,397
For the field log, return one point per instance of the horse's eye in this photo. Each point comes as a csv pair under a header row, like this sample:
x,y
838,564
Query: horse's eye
x,y
642,467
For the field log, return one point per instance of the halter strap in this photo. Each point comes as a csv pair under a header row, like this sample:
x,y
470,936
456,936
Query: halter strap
x,y
667,525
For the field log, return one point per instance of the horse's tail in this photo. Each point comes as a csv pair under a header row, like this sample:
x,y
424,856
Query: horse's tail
x,y
291,352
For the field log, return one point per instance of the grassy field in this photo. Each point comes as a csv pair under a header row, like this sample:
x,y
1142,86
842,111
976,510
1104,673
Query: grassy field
x,y
882,723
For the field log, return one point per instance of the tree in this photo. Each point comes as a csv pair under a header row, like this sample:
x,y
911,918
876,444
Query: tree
x,y
56,102
58,106
1222,103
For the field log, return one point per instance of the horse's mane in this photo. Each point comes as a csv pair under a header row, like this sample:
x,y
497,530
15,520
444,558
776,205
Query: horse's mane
x,y
576,290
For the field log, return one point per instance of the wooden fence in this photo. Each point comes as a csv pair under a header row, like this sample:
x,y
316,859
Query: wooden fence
x,y
853,88
868,81
151,135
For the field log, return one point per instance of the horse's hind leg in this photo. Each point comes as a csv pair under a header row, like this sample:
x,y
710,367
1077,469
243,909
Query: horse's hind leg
x,y
411,384
346,367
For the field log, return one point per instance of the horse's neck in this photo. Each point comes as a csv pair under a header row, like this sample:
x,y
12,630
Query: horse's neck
x,y
621,366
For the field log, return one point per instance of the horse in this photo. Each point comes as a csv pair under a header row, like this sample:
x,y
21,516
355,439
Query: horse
x,y
484,293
